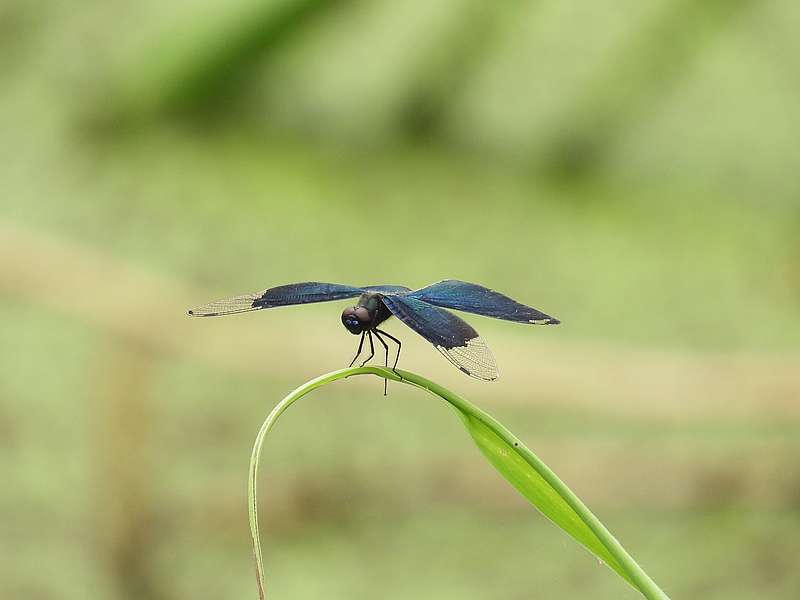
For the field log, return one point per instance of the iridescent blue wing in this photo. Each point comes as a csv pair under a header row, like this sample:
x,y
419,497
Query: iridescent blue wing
x,y
451,336
283,295
472,298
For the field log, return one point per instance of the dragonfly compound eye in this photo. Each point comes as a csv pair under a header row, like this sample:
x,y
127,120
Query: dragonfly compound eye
x,y
351,321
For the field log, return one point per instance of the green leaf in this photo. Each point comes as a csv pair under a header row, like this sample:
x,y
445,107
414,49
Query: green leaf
x,y
507,459
521,467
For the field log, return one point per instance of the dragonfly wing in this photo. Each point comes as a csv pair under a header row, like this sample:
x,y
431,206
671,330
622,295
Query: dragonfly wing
x,y
451,336
283,295
472,298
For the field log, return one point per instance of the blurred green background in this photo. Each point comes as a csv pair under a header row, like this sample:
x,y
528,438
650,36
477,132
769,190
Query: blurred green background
x,y
630,167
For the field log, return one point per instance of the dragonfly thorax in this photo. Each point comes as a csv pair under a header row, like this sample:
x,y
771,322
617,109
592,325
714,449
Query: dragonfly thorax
x,y
367,314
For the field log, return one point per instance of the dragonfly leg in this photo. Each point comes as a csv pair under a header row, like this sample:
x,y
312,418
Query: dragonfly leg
x,y
360,346
386,361
371,349
399,347
385,346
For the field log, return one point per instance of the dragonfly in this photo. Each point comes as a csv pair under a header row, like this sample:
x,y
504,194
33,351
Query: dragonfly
x,y
424,310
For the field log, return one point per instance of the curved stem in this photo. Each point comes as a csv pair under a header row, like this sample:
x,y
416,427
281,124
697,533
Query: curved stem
x,y
631,569
252,483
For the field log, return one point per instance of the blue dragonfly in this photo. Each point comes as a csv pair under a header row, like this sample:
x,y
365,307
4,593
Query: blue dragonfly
x,y
422,310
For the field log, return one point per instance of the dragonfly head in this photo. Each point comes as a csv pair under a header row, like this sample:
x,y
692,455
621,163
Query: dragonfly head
x,y
356,319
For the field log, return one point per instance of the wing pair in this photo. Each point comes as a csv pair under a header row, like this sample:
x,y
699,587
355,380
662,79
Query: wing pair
x,y
422,310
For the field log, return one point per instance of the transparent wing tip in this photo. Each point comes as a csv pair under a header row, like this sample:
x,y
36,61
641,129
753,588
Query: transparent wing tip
x,y
228,306
473,358
482,377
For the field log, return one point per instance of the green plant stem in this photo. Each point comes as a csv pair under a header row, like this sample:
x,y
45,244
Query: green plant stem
x,y
626,566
